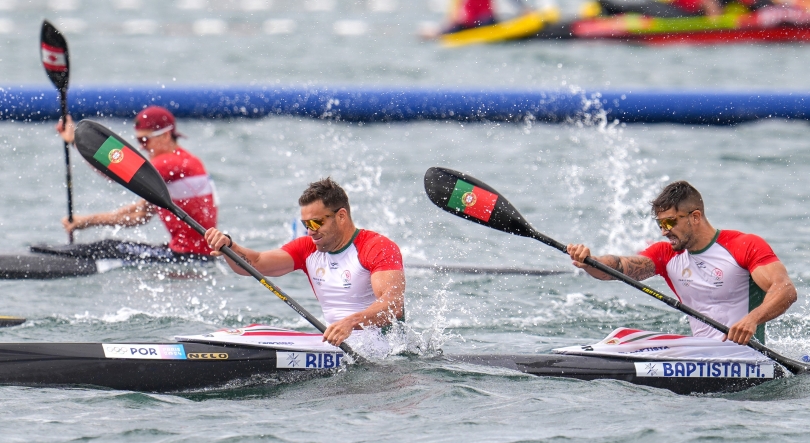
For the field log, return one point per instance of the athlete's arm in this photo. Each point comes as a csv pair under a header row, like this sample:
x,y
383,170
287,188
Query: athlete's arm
x,y
636,267
273,263
779,295
389,288
133,215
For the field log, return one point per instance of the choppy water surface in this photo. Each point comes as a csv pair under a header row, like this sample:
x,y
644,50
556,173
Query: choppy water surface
x,y
580,182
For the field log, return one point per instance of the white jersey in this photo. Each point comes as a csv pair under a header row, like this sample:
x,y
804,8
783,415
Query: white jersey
x,y
342,280
715,281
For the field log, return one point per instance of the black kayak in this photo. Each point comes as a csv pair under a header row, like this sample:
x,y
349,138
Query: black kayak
x,y
681,377
76,260
174,367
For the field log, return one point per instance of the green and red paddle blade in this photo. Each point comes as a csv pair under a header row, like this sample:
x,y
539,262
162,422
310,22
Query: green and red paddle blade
x,y
55,58
470,198
118,160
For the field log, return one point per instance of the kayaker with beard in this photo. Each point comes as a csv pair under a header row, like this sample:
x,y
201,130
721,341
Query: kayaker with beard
x,y
356,274
189,186
732,277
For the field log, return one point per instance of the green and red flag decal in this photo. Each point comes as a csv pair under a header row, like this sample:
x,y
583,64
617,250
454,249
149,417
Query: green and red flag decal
x,y
119,159
472,200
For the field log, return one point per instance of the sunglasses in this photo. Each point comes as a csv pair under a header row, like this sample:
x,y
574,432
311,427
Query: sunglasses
x,y
157,133
668,223
314,224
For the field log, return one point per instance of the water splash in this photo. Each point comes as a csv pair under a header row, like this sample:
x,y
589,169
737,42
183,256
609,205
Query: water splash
x,y
621,176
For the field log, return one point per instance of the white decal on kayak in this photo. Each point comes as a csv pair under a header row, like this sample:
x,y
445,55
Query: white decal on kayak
x,y
144,351
308,360
704,369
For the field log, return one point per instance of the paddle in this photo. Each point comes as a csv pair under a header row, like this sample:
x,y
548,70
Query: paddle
x,y
55,60
470,198
118,160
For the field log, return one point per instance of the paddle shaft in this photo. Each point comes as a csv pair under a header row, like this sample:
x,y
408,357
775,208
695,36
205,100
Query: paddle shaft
x,y
182,215
68,175
794,366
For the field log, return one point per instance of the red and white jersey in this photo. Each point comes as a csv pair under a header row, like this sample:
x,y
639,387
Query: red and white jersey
x,y
193,191
716,281
342,280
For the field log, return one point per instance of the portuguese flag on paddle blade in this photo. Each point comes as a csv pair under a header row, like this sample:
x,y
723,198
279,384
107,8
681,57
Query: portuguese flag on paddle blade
x,y
472,200
119,159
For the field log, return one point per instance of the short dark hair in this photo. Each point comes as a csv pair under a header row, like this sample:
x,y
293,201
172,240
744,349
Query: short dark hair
x,y
327,191
678,195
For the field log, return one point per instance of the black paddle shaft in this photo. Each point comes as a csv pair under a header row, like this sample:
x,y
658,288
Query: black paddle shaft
x,y
440,185
56,61
147,183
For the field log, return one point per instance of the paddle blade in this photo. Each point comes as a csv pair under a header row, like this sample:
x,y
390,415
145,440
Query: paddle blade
x,y
54,52
470,198
117,159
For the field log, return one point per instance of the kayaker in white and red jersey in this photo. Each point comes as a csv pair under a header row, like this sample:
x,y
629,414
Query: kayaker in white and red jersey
x,y
189,185
732,277
357,275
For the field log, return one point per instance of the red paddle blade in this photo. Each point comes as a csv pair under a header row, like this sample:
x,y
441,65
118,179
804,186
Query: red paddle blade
x,y
54,52
117,159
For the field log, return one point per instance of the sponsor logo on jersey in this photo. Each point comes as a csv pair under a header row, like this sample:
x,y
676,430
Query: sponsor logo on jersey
x,y
686,275
346,276
704,369
717,273
308,360
207,356
144,351
469,199
333,265
319,274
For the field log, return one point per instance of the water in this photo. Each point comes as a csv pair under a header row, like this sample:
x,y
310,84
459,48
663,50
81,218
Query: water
x,y
585,182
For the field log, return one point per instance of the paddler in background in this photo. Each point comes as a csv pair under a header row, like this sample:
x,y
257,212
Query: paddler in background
x,y
357,275
189,186
468,14
732,277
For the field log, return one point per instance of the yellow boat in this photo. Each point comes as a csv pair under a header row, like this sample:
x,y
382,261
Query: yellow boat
x,y
517,28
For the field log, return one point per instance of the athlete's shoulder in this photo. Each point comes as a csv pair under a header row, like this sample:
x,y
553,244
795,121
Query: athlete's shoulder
x,y
749,250
660,253
178,164
299,249
732,237
377,252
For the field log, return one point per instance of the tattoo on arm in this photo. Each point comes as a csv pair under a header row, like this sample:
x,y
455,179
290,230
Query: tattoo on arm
x,y
244,257
637,267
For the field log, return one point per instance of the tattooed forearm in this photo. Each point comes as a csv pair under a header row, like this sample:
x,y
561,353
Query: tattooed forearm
x,y
637,267
244,257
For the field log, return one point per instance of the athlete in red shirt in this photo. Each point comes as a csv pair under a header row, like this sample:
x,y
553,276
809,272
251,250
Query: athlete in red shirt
x,y
357,275
729,276
189,186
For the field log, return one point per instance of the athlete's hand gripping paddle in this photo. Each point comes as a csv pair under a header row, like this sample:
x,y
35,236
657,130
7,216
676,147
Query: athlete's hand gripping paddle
x,y
474,200
117,159
56,61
